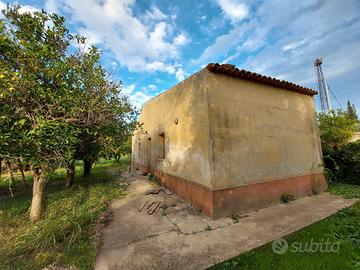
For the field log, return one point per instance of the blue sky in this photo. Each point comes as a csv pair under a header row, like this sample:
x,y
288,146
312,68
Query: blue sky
x,y
152,45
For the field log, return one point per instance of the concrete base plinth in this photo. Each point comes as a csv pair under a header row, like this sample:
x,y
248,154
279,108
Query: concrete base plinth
x,y
241,199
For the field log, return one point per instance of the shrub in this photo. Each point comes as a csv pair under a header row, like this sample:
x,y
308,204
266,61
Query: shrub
x,y
343,164
336,129
348,161
331,168
341,158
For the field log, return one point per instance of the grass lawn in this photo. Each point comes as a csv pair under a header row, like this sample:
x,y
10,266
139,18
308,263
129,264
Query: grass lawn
x,y
67,232
342,228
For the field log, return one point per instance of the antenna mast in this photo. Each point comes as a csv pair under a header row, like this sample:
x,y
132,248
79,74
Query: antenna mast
x,y
325,103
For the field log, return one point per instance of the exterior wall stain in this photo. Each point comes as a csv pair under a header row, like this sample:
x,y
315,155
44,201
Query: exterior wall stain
x,y
260,132
187,150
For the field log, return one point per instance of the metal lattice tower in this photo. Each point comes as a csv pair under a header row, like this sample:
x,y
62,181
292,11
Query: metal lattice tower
x,y
324,94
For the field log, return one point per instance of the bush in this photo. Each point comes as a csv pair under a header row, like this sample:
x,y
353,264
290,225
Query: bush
x,y
341,158
331,168
336,129
349,163
343,164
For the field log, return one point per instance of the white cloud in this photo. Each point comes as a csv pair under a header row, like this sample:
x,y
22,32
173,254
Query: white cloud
x,y
250,43
2,7
155,14
159,81
249,35
129,89
136,45
23,8
158,66
28,9
180,39
316,34
295,44
234,10
298,38
139,98
180,75
152,87
51,6
221,45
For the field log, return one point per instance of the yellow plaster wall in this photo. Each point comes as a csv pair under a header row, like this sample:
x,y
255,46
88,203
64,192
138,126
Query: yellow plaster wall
x,y
187,147
260,132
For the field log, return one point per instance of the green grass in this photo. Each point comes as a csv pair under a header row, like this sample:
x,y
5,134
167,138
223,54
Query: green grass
x,y
66,235
342,227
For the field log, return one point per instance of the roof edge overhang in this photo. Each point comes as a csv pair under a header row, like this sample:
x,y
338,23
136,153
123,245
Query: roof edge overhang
x,y
233,71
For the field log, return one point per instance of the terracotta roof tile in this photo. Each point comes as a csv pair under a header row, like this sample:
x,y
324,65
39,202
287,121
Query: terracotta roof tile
x,y
233,71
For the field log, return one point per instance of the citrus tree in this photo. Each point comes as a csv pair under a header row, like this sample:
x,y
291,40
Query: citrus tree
x,y
56,99
108,118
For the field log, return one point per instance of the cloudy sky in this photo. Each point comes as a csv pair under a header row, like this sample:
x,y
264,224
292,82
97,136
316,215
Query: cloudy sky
x,y
152,45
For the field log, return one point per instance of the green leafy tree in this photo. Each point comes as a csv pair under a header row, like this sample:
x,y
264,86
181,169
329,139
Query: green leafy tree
x,y
336,129
351,111
12,128
58,104
108,116
41,96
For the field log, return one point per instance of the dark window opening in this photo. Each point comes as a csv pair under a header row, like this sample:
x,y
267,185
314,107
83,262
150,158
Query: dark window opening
x,y
161,145
139,150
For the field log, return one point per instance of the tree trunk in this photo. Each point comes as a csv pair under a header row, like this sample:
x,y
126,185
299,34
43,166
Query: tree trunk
x,y
38,196
87,166
70,174
11,180
21,169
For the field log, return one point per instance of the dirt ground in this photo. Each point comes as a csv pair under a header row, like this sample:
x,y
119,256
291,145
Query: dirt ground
x,y
178,236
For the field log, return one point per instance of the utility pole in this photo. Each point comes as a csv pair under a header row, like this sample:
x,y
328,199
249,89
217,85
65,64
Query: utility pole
x,y
325,102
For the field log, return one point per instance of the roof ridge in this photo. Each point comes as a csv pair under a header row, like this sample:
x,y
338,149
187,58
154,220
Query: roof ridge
x,y
233,71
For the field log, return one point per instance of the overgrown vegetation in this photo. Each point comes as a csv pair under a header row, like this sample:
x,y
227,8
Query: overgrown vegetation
x,y
336,129
341,157
67,233
342,228
344,163
351,112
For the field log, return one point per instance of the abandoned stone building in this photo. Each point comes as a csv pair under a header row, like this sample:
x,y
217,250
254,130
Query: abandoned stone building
x,y
230,141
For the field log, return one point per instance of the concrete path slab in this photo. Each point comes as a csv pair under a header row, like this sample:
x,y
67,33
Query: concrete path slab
x,y
178,236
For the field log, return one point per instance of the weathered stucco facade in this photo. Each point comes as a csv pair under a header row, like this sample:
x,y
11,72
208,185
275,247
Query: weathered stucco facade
x,y
230,144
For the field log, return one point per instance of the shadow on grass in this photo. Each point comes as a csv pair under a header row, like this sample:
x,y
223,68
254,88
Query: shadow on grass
x,y
67,232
